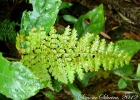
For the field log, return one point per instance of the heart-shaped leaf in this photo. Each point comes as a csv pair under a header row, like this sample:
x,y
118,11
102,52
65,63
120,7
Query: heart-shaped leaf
x,y
122,83
92,22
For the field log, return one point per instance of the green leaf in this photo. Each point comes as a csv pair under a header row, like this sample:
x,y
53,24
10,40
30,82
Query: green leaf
x,y
130,46
44,15
17,82
70,18
122,83
92,22
87,77
139,85
138,70
57,85
76,93
65,5
49,95
126,70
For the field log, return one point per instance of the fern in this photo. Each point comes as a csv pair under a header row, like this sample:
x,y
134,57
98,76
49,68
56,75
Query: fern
x,y
7,31
64,56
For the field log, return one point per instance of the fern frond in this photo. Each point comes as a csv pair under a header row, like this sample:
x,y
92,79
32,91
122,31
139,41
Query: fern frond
x,y
7,31
64,56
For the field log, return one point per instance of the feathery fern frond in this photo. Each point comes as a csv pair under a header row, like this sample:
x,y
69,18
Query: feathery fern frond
x,y
63,56
7,31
